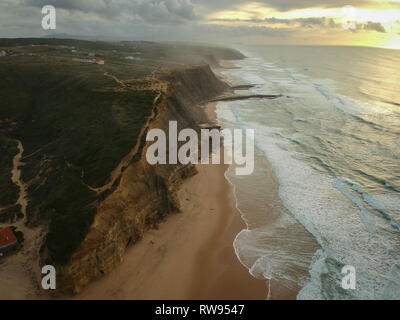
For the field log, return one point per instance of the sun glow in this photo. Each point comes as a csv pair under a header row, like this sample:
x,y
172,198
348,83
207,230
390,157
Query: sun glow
x,y
393,42
377,25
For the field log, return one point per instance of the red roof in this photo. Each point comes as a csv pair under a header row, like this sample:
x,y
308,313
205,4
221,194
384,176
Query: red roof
x,y
7,237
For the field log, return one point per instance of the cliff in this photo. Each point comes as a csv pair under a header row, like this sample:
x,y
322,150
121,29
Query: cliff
x,y
145,194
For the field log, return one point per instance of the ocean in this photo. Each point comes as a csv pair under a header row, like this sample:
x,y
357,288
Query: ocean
x,y
332,142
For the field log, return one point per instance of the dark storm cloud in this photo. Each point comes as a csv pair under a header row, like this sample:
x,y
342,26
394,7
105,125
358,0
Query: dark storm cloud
x,y
280,5
165,10
303,22
160,11
182,11
154,11
106,8
376,26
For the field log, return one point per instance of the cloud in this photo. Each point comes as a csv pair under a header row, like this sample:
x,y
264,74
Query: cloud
x,y
311,22
374,26
166,11
301,22
176,20
280,5
304,22
153,11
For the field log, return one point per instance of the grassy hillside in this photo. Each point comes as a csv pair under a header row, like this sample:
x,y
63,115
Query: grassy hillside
x,y
8,191
76,121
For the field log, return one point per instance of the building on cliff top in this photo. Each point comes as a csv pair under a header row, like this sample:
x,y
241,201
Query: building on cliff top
x,y
8,240
96,61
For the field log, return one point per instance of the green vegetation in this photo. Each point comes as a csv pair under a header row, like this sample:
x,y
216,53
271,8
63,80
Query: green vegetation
x,y
76,122
75,125
8,190
11,214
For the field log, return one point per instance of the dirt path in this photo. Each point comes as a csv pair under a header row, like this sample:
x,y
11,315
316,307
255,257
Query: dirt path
x,y
160,87
116,173
120,82
16,178
19,271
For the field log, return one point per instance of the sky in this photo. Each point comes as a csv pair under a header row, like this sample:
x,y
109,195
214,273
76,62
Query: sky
x,y
373,23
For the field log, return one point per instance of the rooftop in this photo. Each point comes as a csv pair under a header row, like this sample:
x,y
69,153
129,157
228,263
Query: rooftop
x,y
7,237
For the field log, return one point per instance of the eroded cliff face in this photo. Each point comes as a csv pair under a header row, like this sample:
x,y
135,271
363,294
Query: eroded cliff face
x,y
146,193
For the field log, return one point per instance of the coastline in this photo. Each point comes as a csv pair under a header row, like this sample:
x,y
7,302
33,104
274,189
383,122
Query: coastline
x,y
116,225
190,256
275,289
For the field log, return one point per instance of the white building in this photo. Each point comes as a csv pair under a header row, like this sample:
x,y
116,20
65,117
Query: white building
x,y
132,58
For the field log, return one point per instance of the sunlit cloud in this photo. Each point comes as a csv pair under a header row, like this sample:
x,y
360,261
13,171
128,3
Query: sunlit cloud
x,y
376,22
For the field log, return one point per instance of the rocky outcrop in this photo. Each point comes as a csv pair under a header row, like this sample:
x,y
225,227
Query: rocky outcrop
x,y
145,194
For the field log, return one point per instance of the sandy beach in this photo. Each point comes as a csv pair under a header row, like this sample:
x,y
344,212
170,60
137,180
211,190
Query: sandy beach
x,y
191,255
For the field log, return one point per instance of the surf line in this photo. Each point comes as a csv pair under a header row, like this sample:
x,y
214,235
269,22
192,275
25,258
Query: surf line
x,y
233,145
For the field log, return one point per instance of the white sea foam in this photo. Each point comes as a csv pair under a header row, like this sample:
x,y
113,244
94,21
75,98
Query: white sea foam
x,y
346,233
346,230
